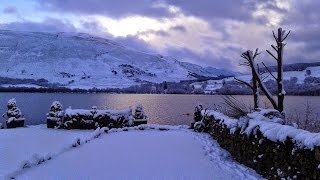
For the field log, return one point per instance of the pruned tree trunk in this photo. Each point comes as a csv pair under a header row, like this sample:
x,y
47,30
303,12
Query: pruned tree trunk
x,y
281,36
255,90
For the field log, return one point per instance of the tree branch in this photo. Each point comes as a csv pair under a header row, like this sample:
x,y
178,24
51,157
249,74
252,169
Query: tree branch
x,y
269,71
285,36
272,55
244,64
264,78
274,48
274,36
243,82
256,53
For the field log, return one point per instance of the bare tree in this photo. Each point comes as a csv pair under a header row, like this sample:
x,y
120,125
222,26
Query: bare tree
x,y
254,86
280,38
250,61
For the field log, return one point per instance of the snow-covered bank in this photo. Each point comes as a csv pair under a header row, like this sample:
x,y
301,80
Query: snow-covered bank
x,y
173,153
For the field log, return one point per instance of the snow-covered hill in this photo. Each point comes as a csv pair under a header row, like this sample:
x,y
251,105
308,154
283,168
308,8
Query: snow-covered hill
x,y
287,75
310,75
83,61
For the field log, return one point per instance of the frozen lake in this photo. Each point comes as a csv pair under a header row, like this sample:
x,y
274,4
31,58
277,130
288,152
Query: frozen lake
x,y
161,109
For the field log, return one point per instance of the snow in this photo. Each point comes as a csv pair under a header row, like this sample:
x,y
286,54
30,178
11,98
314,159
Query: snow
x,y
229,122
127,112
175,152
22,86
56,105
69,112
20,144
12,102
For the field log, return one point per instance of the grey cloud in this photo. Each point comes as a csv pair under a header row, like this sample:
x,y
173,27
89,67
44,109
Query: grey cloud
x,y
205,59
48,25
209,9
117,8
153,32
10,10
95,28
135,43
304,23
179,28
183,54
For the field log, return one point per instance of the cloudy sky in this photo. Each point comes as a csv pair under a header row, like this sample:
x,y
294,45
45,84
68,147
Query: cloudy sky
x,y
206,32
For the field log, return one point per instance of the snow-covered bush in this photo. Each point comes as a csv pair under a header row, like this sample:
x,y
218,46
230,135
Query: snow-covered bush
x,y
139,113
13,110
55,115
13,115
78,119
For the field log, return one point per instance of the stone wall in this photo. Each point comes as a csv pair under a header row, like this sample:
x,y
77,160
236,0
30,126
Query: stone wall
x,y
273,159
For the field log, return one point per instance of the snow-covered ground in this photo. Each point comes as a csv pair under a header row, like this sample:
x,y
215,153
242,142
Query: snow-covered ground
x,y
173,153
20,144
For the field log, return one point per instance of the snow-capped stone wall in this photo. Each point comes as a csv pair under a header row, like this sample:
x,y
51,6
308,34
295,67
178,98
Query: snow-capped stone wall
x,y
262,142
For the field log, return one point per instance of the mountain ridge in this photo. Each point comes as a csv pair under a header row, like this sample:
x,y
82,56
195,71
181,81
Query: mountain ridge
x,y
84,61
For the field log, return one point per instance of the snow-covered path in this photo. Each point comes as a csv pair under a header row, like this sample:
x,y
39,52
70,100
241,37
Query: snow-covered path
x,y
135,154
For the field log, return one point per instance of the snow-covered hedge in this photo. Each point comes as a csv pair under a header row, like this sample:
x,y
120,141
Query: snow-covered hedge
x,y
91,119
262,141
